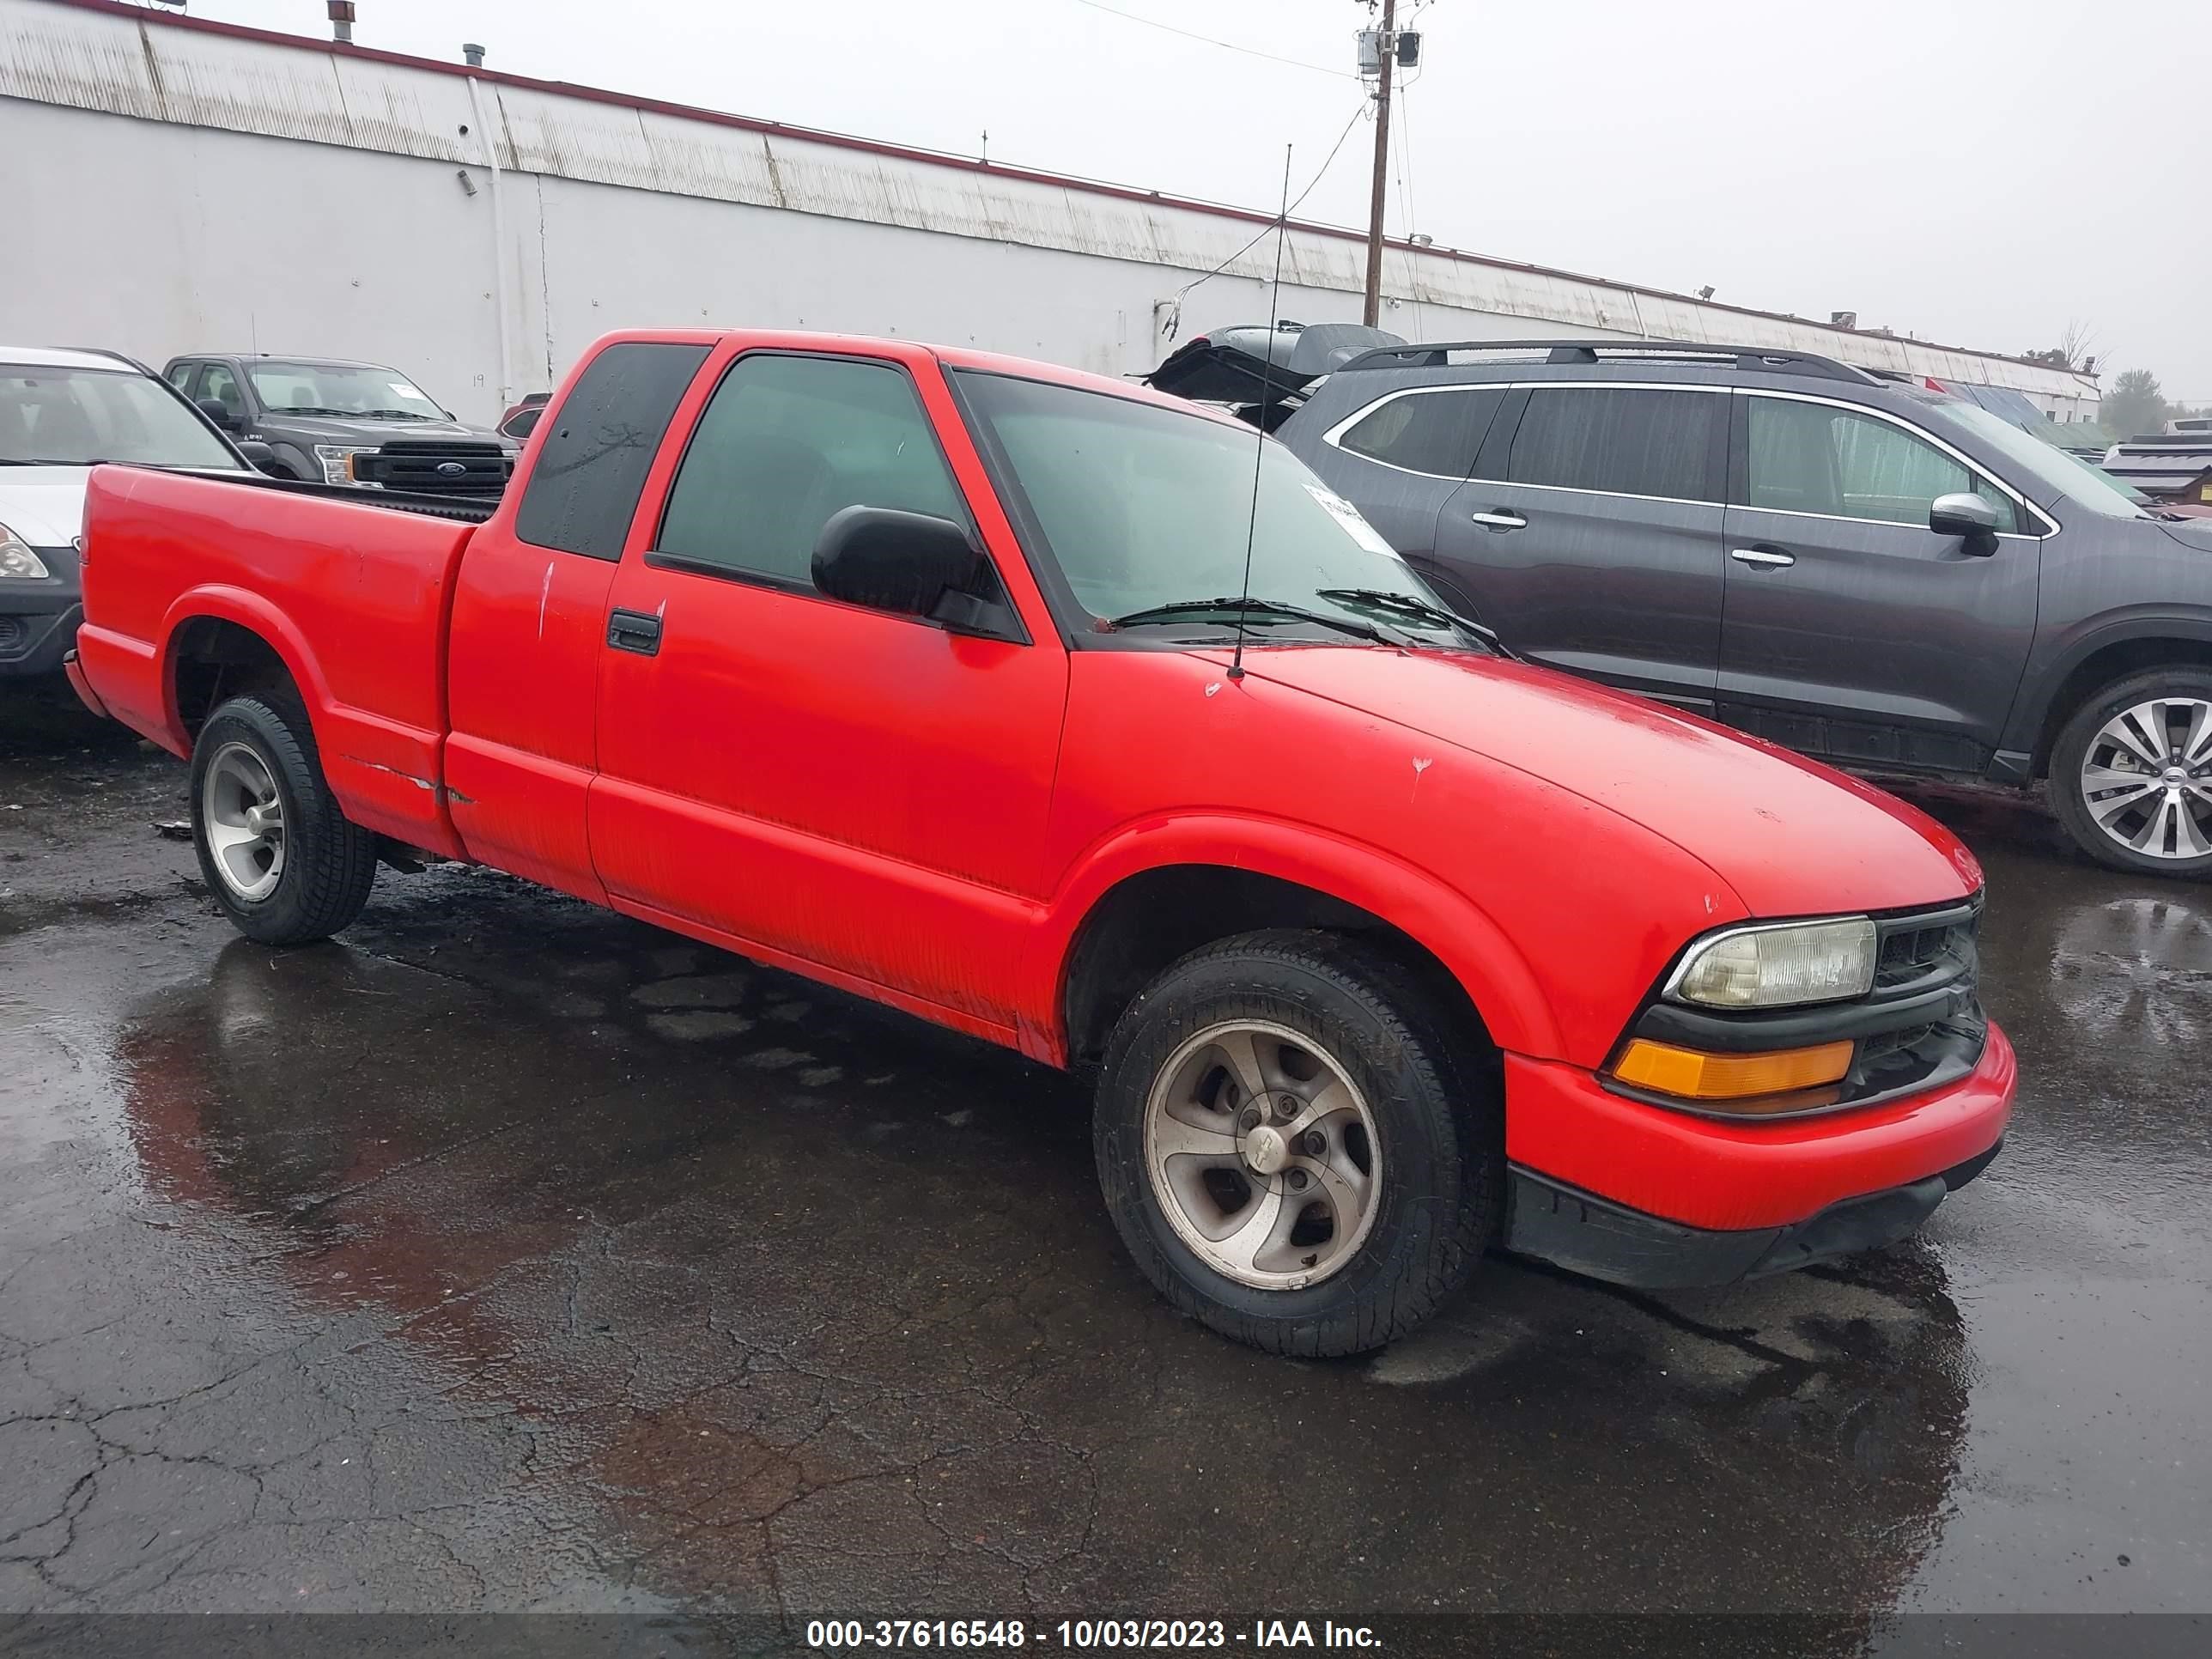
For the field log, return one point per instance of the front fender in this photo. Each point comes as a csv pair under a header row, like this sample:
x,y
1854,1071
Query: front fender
x,y
2056,661
1496,975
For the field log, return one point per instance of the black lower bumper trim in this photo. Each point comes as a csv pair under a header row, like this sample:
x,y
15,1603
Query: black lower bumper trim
x,y
1588,1235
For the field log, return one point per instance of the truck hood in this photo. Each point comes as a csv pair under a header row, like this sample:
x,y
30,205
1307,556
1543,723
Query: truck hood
x,y
330,429
1792,837
43,504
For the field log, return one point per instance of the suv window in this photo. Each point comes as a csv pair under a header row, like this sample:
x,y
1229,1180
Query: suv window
x,y
1433,432
1621,441
1816,458
787,441
591,469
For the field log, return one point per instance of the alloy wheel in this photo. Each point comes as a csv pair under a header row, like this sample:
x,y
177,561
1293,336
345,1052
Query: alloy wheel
x,y
2147,778
242,816
1263,1154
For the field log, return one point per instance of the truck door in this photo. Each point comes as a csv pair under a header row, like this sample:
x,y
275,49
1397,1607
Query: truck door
x,y
1855,631
854,793
1590,536
530,613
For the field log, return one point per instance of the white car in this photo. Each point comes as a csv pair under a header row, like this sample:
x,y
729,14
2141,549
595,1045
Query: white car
x,y
62,413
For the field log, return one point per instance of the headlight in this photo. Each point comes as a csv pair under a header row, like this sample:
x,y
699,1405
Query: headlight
x,y
18,560
1778,966
337,460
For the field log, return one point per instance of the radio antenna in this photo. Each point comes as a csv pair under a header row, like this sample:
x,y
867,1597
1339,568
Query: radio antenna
x,y
1267,399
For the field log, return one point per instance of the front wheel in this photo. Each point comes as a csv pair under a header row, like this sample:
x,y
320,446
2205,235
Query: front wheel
x,y
1295,1148
284,862
2132,773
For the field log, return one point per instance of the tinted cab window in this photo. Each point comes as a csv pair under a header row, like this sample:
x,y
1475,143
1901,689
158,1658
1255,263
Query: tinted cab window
x,y
584,489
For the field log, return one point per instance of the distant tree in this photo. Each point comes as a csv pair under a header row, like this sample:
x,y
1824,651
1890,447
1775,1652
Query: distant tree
x,y
2072,350
2135,406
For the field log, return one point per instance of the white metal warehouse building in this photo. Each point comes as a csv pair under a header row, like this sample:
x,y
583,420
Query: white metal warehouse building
x,y
174,184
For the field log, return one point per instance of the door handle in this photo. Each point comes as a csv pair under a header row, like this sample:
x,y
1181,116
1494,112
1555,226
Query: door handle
x,y
1499,518
1766,558
635,630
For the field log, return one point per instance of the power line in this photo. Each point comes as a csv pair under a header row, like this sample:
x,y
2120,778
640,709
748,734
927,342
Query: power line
x,y
1174,316
1207,39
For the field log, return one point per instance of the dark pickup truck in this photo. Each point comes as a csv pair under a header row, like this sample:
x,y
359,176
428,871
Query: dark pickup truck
x,y
338,422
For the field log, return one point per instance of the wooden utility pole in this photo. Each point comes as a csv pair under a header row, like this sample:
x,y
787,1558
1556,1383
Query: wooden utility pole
x,y
1388,52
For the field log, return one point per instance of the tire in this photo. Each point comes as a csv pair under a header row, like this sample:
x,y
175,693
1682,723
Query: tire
x,y
311,877
2170,811
1420,1100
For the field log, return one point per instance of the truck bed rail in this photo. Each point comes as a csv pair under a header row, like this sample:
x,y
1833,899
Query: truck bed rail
x,y
458,509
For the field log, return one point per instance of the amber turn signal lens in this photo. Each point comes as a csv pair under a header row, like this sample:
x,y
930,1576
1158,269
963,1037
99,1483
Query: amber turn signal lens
x,y
1692,1074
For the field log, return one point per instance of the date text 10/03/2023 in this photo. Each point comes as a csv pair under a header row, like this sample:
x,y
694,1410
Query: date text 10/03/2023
x,y
1085,1634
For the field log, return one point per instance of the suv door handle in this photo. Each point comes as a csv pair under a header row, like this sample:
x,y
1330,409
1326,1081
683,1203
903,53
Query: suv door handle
x,y
1766,557
1499,518
633,630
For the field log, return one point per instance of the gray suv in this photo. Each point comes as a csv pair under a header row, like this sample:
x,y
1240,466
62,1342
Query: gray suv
x,y
1889,578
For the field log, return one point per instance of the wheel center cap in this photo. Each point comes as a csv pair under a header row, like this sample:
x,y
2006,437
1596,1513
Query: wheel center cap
x,y
1266,1150
2175,777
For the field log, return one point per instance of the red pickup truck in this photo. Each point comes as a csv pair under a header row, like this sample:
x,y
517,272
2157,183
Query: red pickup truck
x,y
918,672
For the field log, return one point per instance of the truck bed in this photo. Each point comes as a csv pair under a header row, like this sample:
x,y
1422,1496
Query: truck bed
x,y
352,589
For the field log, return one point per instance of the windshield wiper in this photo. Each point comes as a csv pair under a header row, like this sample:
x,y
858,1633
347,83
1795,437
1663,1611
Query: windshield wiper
x,y
394,414
317,408
1258,608
1411,605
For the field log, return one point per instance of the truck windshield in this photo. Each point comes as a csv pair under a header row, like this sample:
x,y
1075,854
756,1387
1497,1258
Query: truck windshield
x,y
1147,510
340,389
81,416
2049,467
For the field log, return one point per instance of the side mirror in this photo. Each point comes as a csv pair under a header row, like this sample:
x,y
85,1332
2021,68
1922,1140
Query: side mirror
x,y
1969,517
222,418
910,564
262,458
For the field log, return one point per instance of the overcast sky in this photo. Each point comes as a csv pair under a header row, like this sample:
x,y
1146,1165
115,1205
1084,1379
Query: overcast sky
x,y
1978,173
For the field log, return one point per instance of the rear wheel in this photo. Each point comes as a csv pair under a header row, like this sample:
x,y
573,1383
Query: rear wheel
x,y
1294,1147
2132,773
285,864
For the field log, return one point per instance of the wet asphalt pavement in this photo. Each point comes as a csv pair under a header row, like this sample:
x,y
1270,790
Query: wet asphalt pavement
x,y
510,1254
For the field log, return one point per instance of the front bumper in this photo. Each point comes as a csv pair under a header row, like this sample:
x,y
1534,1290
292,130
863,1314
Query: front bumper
x,y
1642,1194
36,633
1587,1235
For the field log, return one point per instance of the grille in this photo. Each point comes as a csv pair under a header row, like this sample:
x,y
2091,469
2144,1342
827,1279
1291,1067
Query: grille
x,y
437,466
1915,952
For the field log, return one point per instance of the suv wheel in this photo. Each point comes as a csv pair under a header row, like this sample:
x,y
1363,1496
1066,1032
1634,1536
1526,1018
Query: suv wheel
x,y
285,864
2132,773
1291,1148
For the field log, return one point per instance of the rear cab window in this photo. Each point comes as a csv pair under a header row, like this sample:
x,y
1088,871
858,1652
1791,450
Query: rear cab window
x,y
583,492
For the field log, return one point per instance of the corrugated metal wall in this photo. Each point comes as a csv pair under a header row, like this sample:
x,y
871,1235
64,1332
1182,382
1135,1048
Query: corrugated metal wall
x,y
190,188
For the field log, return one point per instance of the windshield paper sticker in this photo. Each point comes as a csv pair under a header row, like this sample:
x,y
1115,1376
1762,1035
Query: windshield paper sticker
x,y
1354,527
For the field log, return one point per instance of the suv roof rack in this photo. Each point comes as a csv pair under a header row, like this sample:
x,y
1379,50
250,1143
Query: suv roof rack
x,y
1437,355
